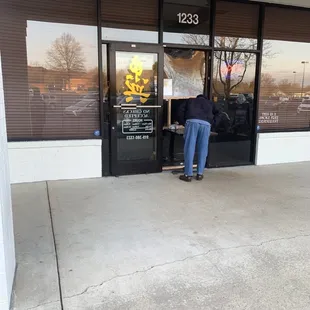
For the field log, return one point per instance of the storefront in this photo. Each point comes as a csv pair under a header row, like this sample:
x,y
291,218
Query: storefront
x,y
92,88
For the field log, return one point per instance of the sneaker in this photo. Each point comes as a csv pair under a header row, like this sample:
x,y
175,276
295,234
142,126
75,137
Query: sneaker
x,y
185,178
199,177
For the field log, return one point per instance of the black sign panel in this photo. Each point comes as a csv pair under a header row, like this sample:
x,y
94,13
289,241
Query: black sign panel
x,y
181,18
137,124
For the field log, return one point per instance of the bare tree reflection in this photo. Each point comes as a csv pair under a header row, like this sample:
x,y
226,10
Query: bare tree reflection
x,y
230,65
66,55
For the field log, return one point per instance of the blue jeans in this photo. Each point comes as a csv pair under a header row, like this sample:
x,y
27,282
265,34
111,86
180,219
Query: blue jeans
x,y
196,133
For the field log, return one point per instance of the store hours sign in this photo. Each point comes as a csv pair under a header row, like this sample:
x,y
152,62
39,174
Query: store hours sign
x,y
137,124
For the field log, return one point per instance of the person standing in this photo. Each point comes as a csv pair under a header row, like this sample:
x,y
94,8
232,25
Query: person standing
x,y
197,116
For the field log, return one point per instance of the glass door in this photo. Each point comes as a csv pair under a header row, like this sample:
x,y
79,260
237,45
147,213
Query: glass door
x,y
136,108
233,93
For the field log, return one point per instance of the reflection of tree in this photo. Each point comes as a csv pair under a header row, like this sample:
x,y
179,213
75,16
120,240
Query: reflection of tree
x,y
230,66
120,81
268,84
270,87
35,64
286,87
92,78
196,39
66,55
105,83
228,77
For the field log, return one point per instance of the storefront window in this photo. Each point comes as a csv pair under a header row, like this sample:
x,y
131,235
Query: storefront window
x,y
233,90
233,94
236,25
51,72
186,23
284,101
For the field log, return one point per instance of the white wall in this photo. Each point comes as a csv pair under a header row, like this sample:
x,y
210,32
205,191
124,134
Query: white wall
x,y
280,147
54,160
7,251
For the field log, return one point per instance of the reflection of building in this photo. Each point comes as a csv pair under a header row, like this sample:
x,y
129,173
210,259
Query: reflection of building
x,y
45,77
49,80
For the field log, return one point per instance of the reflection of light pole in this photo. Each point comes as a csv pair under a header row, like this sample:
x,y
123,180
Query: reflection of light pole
x,y
294,72
293,88
303,77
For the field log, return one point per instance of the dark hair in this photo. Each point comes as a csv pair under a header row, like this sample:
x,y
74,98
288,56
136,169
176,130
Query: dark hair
x,y
202,96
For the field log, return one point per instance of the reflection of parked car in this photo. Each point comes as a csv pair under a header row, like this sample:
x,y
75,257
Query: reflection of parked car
x,y
304,106
295,100
249,96
238,99
87,103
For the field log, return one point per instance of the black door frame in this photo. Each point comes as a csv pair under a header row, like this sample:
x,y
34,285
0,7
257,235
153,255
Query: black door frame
x,y
136,166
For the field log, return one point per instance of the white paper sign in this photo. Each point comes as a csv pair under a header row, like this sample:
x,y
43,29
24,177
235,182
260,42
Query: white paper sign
x,y
168,89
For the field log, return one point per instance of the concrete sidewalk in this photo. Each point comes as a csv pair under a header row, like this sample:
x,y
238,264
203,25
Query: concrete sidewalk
x,y
238,240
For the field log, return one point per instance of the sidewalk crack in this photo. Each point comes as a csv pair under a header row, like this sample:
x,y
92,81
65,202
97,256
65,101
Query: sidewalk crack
x,y
87,289
43,304
55,245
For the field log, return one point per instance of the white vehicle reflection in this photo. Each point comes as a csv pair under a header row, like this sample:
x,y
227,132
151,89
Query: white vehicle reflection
x,y
88,103
304,106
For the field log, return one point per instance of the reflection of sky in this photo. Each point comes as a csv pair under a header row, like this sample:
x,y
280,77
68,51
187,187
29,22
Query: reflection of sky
x,y
237,70
128,35
287,56
181,38
123,60
40,36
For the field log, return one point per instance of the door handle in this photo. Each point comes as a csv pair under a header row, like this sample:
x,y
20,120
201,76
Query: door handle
x,y
137,107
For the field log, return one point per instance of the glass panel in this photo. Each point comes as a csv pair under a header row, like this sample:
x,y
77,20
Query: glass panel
x,y
184,77
285,80
187,24
233,89
136,76
284,101
236,25
129,35
105,87
184,69
50,68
